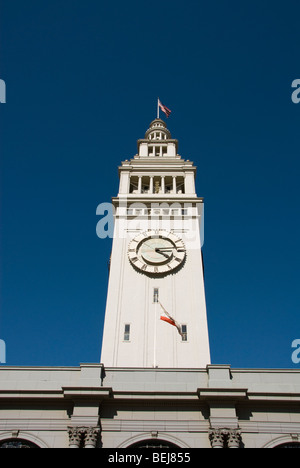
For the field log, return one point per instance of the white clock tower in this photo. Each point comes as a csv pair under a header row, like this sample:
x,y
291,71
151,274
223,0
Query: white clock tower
x,y
156,270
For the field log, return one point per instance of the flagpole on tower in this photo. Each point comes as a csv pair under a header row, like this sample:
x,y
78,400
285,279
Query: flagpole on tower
x,y
163,108
155,336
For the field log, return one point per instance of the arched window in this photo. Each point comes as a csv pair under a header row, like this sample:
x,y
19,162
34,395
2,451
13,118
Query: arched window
x,y
289,445
153,444
17,444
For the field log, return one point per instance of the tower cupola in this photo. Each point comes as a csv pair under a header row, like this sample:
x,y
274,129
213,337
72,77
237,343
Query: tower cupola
x,y
157,142
158,131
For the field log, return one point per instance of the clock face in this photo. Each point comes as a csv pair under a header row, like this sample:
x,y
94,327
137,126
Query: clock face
x,y
156,252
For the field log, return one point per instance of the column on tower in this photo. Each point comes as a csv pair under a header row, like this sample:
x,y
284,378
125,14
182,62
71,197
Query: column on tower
x,y
174,185
151,184
163,185
140,184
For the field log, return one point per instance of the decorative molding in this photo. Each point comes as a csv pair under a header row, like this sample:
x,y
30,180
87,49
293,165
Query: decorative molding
x,y
267,427
91,437
87,392
34,424
216,438
109,425
222,393
219,422
75,437
86,437
222,438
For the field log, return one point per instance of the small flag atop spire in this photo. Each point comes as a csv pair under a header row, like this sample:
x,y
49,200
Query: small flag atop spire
x,y
163,108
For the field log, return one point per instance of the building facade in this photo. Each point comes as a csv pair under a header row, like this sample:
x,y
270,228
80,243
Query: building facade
x,y
155,386
93,407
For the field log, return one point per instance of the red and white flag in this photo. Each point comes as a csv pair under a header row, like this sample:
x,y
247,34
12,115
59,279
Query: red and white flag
x,y
167,318
164,108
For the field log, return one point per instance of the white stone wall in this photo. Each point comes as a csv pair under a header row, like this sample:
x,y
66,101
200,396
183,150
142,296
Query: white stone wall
x,y
197,408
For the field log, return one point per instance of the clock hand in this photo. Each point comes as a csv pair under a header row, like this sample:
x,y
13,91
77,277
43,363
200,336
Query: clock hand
x,y
162,253
167,249
157,250
150,246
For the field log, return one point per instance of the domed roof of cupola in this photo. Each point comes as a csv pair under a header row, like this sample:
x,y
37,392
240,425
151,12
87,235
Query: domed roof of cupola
x,y
158,131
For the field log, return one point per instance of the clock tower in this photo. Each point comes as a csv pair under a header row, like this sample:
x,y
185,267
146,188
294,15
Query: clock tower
x,y
156,269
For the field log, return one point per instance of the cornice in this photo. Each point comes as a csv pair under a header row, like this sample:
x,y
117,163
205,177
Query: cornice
x,y
152,199
92,393
157,162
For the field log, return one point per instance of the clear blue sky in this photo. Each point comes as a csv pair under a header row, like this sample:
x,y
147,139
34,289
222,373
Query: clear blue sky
x,y
82,82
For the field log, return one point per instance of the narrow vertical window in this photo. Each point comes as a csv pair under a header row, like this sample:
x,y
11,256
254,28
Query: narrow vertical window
x,y
127,332
184,332
155,295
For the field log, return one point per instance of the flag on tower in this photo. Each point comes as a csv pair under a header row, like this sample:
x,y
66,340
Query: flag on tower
x,y
164,108
170,320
